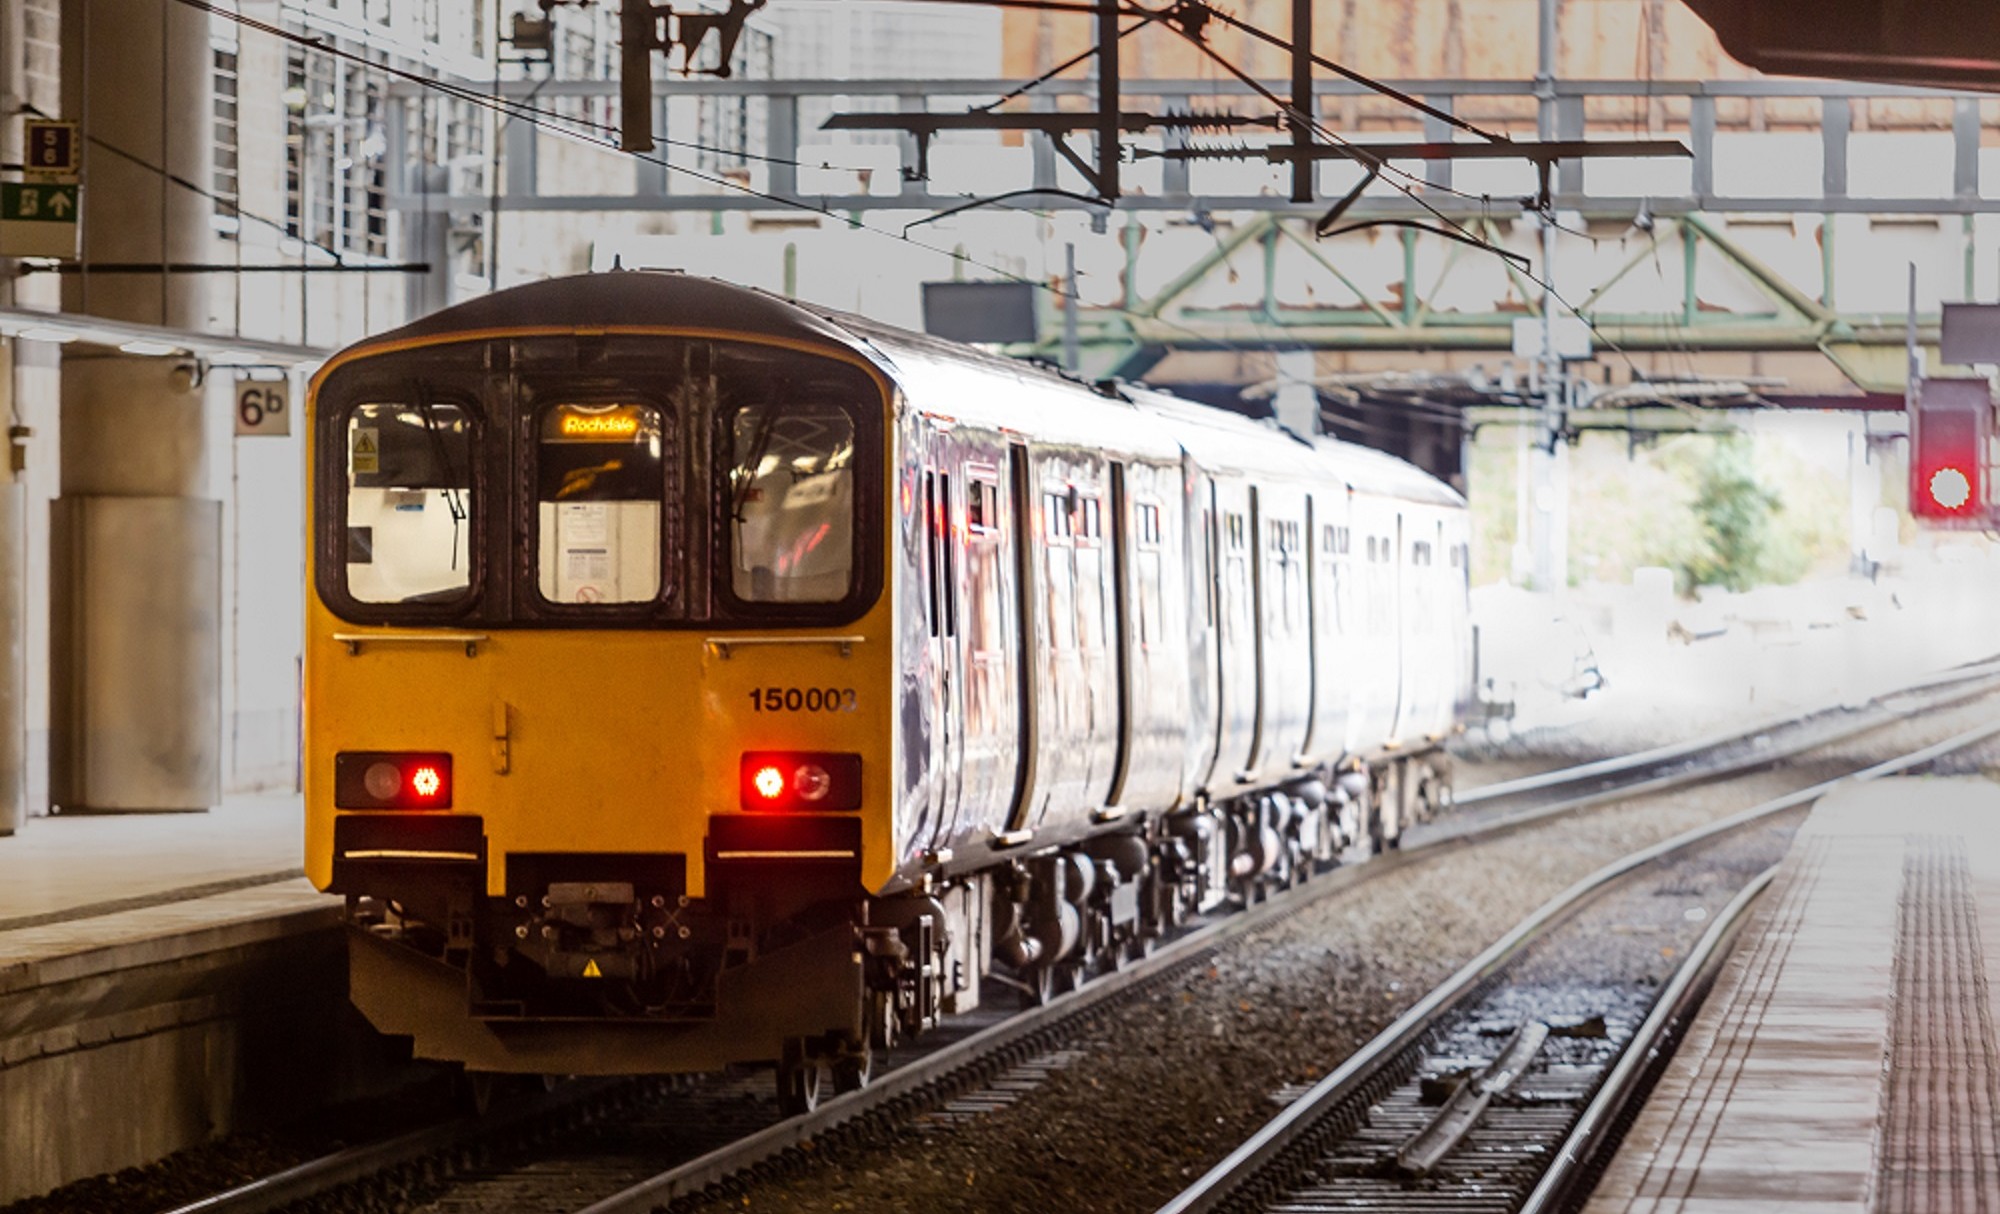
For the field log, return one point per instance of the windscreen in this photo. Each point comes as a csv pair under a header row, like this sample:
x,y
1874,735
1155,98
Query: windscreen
x,y
409,502
792,503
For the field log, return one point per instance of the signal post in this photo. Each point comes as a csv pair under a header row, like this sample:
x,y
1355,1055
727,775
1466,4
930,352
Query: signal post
x,y
1952,426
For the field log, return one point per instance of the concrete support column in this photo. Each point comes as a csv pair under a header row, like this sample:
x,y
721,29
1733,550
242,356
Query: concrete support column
x,y
13,533
1548,516
136,584
1296,402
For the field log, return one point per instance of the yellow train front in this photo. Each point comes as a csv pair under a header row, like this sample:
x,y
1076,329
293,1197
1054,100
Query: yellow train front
x,y
599,678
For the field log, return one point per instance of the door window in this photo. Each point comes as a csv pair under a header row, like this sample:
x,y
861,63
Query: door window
x,y
600,495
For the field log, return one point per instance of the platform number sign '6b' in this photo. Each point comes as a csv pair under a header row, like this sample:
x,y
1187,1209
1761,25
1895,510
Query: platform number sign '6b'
x,y
262,409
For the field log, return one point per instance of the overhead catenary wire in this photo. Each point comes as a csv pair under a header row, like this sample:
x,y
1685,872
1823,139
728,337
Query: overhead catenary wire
x,y
235,208
1391,174
561,125
535,117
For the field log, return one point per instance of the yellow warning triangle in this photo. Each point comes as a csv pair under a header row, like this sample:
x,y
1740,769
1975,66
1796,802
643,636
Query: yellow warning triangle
x,y
364,443
590,969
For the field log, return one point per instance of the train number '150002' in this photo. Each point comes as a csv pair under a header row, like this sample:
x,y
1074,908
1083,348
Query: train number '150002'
x,y
802,699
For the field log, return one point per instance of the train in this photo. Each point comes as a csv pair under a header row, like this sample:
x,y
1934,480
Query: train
x,y
697,677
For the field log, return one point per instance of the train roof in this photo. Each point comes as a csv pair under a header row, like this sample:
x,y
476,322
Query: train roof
x,y
668,300
674,300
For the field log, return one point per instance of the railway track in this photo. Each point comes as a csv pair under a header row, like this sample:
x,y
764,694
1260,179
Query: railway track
x,y
606,1146
1444,1110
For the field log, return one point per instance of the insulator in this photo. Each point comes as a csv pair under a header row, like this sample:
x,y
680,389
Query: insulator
x,y
1211,120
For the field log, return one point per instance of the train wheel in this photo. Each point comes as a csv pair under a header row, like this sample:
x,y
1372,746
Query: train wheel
x,y
798,1080
851,1072
474,1091
883,1025
1039,985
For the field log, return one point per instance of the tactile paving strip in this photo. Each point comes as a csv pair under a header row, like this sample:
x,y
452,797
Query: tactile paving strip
x,y
1940,1145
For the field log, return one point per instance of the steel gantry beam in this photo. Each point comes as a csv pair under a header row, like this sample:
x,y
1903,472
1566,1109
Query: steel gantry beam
x,y
941,105
1710,288
1777,315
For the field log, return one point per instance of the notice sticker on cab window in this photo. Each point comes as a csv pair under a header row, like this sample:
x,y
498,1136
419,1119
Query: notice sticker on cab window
x,y
365,455
587,565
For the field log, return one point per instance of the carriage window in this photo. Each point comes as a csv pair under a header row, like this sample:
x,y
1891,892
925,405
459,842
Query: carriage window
x,y
982,503
1148,525
1056,522
409,503
792,517
600,490
1088,526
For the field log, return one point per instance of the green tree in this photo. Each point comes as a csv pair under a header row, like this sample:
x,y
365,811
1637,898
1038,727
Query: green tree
x,y
1734,512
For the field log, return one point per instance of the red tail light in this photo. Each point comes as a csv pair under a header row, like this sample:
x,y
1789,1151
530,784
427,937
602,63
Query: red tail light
x,y
379,779
801,780
769,783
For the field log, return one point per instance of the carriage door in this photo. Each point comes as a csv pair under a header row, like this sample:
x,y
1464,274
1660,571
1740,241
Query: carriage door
x,y
1399,620
947,736
990,726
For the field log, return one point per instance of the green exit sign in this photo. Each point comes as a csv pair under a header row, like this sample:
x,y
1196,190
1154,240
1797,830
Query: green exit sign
x,y
38,202
38,219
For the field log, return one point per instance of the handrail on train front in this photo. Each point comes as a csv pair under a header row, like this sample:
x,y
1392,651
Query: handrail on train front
x,y
356,640
722,645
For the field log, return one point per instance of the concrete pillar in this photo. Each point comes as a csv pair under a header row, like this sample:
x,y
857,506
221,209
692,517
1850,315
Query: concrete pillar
x,y
136,638
1548,515
1864,496
28,71
13,616
1297,400
136,74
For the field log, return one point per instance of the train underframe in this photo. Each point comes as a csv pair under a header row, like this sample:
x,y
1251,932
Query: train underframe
x,y
603,964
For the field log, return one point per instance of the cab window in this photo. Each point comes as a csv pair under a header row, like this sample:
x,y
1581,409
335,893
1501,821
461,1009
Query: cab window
x,y
409,503
791,503
600,496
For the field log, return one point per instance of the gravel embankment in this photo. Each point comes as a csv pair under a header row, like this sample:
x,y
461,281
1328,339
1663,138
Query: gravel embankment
x,y
1171,1083
188,1176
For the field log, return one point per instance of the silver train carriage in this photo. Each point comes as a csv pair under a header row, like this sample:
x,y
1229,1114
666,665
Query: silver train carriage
x,y
926,665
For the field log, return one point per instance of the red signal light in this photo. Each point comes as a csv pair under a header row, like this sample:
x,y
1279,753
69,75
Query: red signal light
x,y
426,782
1950,488
1949,432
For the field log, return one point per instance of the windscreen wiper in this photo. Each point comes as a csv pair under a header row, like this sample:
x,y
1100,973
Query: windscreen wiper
x,y
420,392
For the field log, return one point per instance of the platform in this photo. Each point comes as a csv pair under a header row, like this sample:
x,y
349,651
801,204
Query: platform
x,y
1847,1059
178,954
72,869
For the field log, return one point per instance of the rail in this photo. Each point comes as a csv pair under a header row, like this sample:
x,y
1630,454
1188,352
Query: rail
x,y
1677,1003
945,1068
1298,1125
